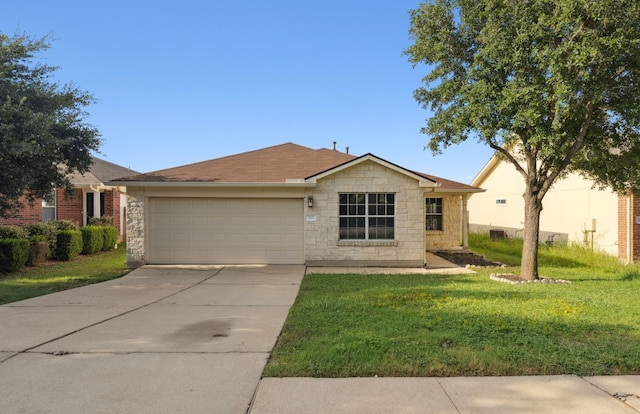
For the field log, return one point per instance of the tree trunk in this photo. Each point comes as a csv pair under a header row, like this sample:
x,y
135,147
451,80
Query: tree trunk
x,y
529,261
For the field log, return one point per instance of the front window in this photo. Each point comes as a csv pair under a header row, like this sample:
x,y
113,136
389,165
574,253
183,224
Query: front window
x,y
367,216
434,214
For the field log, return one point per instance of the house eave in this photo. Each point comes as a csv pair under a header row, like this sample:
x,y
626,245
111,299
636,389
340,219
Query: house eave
x,y
211,184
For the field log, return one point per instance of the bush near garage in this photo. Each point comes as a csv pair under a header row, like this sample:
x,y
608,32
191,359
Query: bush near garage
x,y
68,244
14,254
92,239
110,234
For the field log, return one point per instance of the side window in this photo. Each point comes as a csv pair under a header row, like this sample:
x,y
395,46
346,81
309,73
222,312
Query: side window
x,y
434,214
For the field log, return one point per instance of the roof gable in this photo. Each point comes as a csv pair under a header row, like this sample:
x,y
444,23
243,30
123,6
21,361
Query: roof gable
x,y
101,171
422,179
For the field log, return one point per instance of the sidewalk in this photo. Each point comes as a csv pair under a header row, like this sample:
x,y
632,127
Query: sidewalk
x,y
473,395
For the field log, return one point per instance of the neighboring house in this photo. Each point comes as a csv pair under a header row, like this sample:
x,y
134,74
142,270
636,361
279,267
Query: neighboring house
x,y
91,198
289,204
573,211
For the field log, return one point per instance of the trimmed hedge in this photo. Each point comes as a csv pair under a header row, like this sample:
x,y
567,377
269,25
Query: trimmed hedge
x,y
110,237
92,239
46,230
13,232
39,251
68,244
14,254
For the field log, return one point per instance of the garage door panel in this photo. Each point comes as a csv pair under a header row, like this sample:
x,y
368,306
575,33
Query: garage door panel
x,y
219,231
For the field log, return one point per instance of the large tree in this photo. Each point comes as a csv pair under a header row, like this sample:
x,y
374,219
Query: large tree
x,y
43,136
551,85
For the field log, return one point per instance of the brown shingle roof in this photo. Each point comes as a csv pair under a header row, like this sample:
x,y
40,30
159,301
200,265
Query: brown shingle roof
x,y
268,165
275,164
101,171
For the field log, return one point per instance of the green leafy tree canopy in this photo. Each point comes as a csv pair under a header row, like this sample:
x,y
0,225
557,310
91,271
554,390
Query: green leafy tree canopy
x,y
43,136
551,85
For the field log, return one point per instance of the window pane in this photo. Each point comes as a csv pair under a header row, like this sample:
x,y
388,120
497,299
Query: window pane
x,y
381,228
352,228
434,222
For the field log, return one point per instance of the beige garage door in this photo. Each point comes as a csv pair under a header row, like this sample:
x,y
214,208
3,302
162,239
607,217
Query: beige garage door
x,y
225,231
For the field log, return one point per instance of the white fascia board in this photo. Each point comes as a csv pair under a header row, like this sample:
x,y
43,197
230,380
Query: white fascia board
x,y
423,182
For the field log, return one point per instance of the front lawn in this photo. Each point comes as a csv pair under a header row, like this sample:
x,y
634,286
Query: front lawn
x,y
464,325
56,276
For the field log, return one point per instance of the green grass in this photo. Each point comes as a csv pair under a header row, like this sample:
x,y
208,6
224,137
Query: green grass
x,y
467,325
56,276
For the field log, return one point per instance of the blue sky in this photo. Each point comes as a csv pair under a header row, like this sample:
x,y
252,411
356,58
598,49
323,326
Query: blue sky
x,y
182,82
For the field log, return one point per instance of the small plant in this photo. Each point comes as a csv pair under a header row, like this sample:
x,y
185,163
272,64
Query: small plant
x,y
633,273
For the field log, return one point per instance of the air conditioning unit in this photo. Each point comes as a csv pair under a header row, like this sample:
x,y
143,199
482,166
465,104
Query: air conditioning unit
x,y
496,234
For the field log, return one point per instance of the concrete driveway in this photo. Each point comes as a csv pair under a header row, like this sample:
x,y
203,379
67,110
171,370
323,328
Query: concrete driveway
x,y
159,340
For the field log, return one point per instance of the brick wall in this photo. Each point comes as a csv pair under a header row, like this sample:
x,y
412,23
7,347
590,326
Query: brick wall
x,y
29,214
112,207
69,206
627,223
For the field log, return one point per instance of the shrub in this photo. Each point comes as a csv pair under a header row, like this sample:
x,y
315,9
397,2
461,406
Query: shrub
x,y
13,232
39,251
14,254
68,244
110,237
92,239
64,225
46,230
101,221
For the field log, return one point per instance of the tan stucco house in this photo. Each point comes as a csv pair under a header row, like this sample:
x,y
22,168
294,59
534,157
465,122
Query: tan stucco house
x,y
574,210
290,204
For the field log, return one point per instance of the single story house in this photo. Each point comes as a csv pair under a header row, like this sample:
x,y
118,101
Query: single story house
x,y
574,210
289,204
92,198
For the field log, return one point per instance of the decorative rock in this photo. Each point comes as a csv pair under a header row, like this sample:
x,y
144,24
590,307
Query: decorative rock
x,y
514,280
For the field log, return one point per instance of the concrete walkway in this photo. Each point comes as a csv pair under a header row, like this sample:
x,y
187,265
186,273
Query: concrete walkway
x,y
196,340
159,340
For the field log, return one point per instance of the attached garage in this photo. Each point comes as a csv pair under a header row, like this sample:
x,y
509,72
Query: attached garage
x,y
225,231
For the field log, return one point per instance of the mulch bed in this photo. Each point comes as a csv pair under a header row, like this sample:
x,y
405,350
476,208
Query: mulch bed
x,y
467,257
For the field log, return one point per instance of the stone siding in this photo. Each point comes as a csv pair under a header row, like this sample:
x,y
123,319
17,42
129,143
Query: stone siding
x,y
135,227
322,224
451,235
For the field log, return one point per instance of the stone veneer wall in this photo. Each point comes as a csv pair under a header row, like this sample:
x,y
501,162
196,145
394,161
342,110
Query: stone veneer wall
x,y
451,235
135,227
322,230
